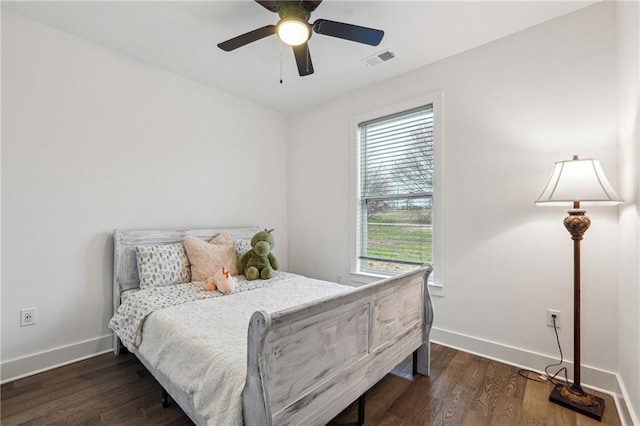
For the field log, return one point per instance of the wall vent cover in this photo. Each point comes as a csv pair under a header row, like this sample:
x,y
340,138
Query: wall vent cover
x,y
378,58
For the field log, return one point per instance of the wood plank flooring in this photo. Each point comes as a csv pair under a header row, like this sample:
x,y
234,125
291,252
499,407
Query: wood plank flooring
x,y
463,389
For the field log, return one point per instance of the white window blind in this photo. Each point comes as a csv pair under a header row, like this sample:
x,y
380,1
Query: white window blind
x,y
396,191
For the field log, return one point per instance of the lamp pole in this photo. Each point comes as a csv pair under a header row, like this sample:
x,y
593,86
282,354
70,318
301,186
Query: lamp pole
x,y
573,396
577,224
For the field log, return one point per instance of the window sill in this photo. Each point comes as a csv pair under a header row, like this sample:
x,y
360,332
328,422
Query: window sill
x,y
358,279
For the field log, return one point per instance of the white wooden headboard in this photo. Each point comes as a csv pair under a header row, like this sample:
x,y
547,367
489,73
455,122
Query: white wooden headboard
x,y
125,267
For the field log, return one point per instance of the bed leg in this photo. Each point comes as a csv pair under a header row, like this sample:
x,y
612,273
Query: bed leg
x,y
414,369
422,358
166,401
361,409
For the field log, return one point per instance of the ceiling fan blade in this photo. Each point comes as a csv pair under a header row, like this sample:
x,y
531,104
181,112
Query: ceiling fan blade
x,y
247,38
311,5
303,59
271,5
356,33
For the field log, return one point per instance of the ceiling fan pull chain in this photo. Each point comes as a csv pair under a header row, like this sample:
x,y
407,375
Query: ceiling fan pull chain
x,y
280,61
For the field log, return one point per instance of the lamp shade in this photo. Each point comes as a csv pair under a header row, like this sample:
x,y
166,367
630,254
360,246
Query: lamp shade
x,y
293,31
581,180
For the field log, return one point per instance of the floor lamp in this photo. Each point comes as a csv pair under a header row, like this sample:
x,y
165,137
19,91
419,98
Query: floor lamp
x,y
573,182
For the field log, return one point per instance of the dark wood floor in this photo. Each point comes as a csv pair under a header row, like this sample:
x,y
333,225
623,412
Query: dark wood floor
x,y
463,389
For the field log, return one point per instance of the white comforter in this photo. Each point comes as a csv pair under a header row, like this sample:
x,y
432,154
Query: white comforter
x,y
201,346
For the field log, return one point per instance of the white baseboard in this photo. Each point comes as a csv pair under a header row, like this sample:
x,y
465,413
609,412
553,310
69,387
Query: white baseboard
x,y
627,414
593,378
37,363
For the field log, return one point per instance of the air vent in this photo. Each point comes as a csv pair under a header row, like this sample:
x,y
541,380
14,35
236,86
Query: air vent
x,y
379,58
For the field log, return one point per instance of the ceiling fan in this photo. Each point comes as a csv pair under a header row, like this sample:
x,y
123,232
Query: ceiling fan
x,y
295,30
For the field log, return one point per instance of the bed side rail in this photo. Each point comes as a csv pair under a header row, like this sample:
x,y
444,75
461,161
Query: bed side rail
x,y
308,363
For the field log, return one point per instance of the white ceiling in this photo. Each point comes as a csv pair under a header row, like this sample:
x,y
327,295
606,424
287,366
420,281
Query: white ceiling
x,y
181,36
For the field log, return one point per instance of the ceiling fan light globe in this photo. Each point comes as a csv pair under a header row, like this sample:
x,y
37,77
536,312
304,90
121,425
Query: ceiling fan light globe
x,y
293,31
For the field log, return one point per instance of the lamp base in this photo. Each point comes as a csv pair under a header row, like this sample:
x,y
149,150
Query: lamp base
x,y
574,398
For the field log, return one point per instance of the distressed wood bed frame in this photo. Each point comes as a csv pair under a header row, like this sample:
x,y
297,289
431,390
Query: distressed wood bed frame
x,y
308,363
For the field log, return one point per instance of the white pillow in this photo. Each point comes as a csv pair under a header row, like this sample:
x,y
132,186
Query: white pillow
x,y
160,265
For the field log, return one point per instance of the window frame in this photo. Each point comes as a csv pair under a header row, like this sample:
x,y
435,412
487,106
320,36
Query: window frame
x,y
436,279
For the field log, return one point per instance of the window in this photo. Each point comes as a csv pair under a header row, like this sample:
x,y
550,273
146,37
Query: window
x,y
395,191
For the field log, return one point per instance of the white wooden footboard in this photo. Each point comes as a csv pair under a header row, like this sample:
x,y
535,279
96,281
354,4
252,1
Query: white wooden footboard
x,y
308,363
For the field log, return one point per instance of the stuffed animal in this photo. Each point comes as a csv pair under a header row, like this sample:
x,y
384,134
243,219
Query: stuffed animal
x,y
210,285
221,281
259,262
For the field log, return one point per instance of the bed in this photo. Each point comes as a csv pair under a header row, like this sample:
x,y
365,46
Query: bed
x,y
302,359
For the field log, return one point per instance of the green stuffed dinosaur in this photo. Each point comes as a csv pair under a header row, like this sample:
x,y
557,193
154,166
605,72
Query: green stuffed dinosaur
x,y
260,261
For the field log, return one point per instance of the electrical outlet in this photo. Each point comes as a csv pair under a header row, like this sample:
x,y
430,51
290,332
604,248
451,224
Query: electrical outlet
x,y
339,278
27,316
550,314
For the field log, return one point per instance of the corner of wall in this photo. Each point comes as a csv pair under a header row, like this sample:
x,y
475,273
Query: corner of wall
x,y
628,45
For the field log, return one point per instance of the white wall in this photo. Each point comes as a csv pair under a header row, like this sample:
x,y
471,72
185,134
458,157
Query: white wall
x,y
629,157
511,108
93,141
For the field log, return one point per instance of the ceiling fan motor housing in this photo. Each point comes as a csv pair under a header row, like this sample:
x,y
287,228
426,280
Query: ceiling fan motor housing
x,y
293,10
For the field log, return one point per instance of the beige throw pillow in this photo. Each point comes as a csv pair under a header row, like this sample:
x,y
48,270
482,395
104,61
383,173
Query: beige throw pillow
x,y
207,258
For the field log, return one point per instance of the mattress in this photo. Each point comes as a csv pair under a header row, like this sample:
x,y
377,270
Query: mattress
x,y
198,339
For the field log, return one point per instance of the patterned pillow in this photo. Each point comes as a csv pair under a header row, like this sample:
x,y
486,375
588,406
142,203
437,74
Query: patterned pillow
x,y
161,265
241,246
207,258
